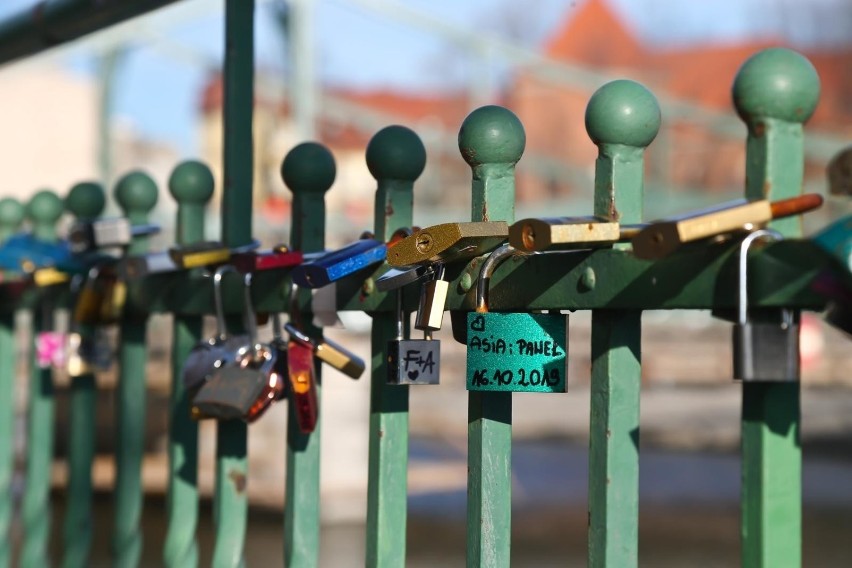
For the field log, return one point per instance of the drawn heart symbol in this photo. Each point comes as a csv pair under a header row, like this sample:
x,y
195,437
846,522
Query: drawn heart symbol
x,y
413,375
478,323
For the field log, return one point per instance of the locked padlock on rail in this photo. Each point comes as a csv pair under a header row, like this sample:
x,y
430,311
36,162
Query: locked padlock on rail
x,y
566,233
105,233
139,266
207,253
448,242
25,253
661,238
302,378
209,355
332,266
256,261
766,350
412,361
513,352
244,387
101,298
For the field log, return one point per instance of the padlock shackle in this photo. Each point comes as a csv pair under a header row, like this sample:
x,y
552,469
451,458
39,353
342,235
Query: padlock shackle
x,y
400,326
742,295
221,325
491,263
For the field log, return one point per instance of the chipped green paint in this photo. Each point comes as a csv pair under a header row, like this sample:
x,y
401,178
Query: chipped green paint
x,y
775,92
396,158
622,118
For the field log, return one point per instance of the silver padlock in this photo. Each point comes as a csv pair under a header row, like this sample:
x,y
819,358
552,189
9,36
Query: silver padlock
x,y
211,354
245,386
103,233
131,267
765,350
433,301
412,361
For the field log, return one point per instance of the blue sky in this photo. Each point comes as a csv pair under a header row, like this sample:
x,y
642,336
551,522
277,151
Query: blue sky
x,y
158,92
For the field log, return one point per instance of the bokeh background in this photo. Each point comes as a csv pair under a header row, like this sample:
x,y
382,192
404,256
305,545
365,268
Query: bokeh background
x,y
148,93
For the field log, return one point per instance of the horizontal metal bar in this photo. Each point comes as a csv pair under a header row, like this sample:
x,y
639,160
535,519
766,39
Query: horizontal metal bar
x,y
54,22
703,278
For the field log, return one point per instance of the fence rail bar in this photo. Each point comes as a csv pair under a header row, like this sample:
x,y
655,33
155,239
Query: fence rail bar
x,y
771,417
86,202
191,185
387,483
308,171
51,23
491,141
622,118
136,194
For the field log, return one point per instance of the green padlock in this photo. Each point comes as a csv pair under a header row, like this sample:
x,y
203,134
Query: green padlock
x,y
513,352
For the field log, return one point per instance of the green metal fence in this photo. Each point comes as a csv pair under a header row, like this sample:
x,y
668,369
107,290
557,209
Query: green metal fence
x,y
775,92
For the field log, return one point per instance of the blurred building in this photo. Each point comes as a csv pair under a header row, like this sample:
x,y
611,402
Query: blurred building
x,y
687,155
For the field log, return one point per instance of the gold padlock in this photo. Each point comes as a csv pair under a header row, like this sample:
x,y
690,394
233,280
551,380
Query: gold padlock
x,y
559,233
448,242
90,298
661,238
200,254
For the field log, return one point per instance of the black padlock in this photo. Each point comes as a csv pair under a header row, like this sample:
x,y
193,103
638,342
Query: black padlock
x,y
765,349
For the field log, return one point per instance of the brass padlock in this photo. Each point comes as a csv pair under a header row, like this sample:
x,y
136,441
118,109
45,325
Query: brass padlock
x,y
561,233
661,238
448,242
90,299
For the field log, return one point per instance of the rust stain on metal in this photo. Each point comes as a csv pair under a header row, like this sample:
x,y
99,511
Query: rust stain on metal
x,y
388,210
469,155
759,129
484,211
238,478
767,187
381,433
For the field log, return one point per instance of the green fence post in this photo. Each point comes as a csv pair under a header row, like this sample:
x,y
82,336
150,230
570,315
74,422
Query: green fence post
x,y
308,171
396,158
191,184
231,498
11,217
775,92
43,211
136,194
86,202
622,118
491,141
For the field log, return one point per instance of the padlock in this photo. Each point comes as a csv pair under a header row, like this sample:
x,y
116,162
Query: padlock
x,y
103,233
412,361
207,253
661,238
448,242
329,352
244,387
211,354
131,267
26,253
303,388
101,298
433,301
513,352
334,265
256,261
766,350
565,233
326,350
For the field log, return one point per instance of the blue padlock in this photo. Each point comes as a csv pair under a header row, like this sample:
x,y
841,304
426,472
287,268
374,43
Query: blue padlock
x,y
26,253
334,265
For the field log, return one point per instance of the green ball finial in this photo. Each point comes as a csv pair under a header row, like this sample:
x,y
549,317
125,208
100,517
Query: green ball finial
x,y
396,152
11,213
135,193
492,135
44,208
86,200
776,83
623,112
308,168
191,182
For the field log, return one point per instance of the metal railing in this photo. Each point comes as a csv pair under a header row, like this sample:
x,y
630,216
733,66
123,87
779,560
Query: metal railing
x,y
622,119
